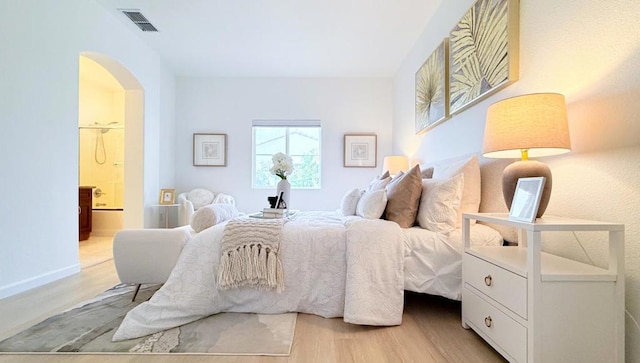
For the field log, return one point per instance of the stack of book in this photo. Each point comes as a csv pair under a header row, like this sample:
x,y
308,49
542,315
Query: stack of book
x,y
274,213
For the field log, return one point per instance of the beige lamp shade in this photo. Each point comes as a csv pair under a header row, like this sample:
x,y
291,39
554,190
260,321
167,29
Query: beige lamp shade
x,y
395,164
527,126
536,122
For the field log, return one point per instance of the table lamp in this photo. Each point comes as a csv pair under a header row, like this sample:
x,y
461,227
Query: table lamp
x,y
526,126
395,164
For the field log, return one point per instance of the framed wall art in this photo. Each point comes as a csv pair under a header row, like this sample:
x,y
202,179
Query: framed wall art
x,y
483,52
209,149
360,150
432,89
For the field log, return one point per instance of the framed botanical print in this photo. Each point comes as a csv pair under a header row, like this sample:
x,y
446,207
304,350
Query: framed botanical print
x,y
432,89
209,149
360,150
483,51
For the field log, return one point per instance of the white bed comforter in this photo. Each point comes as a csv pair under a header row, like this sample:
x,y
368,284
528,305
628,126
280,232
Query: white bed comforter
x,y
333,267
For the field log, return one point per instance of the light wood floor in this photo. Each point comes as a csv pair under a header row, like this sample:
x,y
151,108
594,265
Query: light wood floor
x,y
430,331
95,250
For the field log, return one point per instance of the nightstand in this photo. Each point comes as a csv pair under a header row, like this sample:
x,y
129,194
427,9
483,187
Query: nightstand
x,y
164,210
532,306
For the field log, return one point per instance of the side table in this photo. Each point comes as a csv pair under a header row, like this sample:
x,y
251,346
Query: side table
x,y
533,306
164,210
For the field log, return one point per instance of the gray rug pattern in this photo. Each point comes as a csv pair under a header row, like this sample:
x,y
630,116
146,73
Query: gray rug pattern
x,y
88,327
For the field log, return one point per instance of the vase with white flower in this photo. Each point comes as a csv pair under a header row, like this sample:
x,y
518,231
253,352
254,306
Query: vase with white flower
x,y
282,167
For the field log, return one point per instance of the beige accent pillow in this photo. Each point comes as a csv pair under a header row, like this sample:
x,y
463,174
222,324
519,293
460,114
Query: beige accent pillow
x,y
439,203
403,197
371,205
470,167
212,214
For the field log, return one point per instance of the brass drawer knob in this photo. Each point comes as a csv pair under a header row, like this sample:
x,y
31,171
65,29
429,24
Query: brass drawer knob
x,y
488,280
488,321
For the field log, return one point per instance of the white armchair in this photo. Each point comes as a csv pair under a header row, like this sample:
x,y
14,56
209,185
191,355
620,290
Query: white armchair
x,y
197,198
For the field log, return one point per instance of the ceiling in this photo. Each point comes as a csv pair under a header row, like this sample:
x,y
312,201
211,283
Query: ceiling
x,y
281,38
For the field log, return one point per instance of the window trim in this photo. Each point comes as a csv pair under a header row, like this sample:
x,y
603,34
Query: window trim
x,y
286,124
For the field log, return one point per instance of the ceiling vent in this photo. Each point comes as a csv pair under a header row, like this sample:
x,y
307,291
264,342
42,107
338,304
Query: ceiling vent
x,y
138,19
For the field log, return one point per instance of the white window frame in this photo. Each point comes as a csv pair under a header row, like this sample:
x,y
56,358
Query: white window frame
x,y
285,124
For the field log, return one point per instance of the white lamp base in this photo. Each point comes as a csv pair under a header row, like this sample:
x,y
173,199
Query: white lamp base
x,y
526,169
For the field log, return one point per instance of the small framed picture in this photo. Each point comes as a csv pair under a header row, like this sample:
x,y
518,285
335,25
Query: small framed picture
x,y
209,149
526,199
360,150
167,196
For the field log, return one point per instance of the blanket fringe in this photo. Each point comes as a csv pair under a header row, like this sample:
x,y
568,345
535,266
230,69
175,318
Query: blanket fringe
x,y
253,266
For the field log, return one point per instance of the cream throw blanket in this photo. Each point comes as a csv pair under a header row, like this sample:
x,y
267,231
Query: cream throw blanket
x,y
249,254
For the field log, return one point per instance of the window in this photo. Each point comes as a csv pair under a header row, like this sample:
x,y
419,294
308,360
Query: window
x,y
298,139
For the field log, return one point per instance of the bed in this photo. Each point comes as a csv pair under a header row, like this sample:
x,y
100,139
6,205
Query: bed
x,y
334,265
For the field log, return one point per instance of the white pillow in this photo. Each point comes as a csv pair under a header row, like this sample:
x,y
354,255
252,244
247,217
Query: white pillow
x,y
349,202
200,197
379,184
372,204
439,203
212,214
470,167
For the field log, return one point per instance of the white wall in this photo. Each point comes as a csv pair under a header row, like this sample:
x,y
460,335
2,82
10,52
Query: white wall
x,y
589,51
229,106
40,45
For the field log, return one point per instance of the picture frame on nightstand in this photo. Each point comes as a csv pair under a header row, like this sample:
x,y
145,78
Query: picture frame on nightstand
x,y
167,196
526,199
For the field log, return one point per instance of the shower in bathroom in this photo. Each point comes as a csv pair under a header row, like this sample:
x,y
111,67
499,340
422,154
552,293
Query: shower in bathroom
x,y
100,153
101,163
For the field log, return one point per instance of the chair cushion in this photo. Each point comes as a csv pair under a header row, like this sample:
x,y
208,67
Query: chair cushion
x,y
200,197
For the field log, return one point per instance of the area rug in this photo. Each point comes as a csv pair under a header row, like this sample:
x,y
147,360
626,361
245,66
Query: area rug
x,y
88,328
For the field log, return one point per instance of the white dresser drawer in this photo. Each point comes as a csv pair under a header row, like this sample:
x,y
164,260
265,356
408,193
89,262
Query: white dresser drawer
x,y
501,285
501,331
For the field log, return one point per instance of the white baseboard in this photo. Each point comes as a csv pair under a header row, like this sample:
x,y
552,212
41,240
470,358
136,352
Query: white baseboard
x,y
30,283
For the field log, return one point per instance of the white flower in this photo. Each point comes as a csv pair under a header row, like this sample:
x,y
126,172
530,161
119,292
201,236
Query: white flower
x,y
282,165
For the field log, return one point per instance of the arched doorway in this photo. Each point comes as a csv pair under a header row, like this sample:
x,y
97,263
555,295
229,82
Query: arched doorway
x,y
126,114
